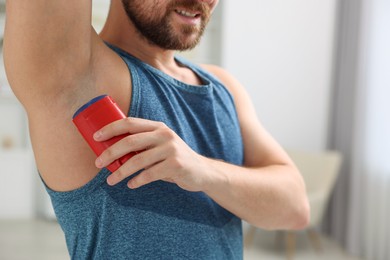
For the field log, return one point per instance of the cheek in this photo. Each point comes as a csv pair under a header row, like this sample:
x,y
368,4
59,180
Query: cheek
x,y
156,7
147,11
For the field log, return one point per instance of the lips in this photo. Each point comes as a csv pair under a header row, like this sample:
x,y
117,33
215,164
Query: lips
x,y
189,14
190,8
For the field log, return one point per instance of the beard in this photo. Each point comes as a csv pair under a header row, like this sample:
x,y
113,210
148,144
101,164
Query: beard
x,y
156,25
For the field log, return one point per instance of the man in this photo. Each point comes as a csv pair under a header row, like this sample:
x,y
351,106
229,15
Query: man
x,y
204,161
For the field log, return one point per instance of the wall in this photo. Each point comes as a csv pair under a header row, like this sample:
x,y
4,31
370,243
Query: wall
x,y
282,52
22,194
16,160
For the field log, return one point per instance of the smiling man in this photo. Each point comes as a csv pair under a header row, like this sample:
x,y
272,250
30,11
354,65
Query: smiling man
x,y
203,161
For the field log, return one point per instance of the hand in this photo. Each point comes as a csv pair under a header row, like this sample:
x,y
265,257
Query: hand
x,y
164,155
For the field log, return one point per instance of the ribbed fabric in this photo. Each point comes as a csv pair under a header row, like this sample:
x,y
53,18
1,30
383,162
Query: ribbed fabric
x,y
160,220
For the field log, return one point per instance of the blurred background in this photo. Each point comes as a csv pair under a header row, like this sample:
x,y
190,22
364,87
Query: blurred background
x,y
318,74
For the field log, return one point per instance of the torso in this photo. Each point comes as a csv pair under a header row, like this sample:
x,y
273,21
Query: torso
x,y
100,221
60,151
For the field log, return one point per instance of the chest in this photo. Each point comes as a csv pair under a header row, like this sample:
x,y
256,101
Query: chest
x,y
205,119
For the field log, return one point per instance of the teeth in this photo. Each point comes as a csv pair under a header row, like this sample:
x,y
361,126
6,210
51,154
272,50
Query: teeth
x,y
184,13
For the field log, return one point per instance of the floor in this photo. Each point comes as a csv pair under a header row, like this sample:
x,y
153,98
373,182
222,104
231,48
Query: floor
x,y
32,240
43,240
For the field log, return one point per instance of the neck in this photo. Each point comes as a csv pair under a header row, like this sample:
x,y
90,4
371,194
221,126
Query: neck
x,y
119,31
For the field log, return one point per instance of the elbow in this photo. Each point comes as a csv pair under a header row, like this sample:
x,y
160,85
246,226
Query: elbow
x,y
301,215
300,212
295,217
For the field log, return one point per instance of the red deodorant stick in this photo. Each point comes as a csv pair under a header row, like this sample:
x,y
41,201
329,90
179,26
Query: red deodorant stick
x,y
91,117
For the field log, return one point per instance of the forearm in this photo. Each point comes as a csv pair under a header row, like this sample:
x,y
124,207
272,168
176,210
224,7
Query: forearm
x,y
271,197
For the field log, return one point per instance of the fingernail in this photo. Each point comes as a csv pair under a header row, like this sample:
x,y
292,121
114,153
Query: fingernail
x,y
98,135
110,181
130,185
99,162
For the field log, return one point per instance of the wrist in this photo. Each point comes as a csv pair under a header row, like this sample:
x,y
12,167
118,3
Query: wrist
x,y
216,178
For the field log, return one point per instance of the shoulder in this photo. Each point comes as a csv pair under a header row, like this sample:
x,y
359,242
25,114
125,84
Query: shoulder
x,y
219,72
229,81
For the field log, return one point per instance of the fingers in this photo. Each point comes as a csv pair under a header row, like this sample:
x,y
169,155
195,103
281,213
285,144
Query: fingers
x,y
156,141
131,143
155,134
154,173
127,125
138,162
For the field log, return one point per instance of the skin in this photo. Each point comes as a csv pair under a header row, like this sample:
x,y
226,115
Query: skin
x,y
267,191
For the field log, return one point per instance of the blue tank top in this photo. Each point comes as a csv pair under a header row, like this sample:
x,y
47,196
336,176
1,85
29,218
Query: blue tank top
x,y
160,220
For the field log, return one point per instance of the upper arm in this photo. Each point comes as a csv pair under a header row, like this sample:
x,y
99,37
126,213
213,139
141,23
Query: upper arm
x,y
260,148
46,44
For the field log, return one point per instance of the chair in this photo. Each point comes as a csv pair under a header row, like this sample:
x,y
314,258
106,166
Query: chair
x,y
320,171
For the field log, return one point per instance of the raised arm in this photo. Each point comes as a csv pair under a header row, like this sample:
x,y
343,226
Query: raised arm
x,y
49,54
47,45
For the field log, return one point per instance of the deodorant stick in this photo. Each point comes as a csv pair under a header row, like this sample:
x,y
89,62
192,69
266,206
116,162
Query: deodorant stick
x,y
91,117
